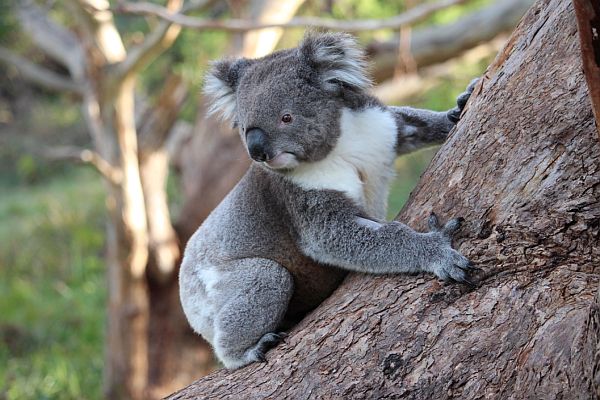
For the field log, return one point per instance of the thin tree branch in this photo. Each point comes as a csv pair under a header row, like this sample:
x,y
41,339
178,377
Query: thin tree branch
x,y
156,123
159,39
412,16
95,19
38,74
109,171
154,44
400,89
54,40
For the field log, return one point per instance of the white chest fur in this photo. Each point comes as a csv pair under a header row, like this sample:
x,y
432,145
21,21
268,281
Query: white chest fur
x,y
361,163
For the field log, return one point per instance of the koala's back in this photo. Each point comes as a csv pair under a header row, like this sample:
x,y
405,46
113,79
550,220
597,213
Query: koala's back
x,y
251,222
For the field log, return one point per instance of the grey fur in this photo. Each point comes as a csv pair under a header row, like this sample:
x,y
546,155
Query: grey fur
x,y
284,238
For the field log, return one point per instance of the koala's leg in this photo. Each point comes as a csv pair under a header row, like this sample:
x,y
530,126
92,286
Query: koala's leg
x,y
259,291
421,128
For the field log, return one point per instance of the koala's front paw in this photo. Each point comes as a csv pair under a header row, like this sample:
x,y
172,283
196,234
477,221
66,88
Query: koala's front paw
x,y
461,101
447,262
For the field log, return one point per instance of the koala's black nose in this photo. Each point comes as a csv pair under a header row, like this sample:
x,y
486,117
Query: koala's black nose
x,y
256,140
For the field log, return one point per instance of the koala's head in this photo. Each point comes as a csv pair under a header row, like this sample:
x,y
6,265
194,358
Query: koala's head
x,y
287,105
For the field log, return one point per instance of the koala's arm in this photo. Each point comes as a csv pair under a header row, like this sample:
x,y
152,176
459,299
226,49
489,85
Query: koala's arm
x,y
343,239
422,128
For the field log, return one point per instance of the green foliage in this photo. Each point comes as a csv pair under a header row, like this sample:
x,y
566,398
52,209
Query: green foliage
x,y
48,121
27,168
408,171
52,288
453,13
345,9
8,23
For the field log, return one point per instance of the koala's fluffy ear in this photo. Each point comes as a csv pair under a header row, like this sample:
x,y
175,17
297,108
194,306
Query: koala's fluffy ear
x,y
337,58
221,83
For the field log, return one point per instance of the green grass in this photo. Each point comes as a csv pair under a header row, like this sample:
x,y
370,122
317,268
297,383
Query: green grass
x,y
52,288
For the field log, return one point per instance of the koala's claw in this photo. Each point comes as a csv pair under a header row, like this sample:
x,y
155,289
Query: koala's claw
x,y
265,343
433,222
447,230
260,356
466,268
270,340
464,280
461,102
450,264
452,226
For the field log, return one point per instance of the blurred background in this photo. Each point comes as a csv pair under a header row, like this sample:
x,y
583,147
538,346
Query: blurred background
x,y
108,164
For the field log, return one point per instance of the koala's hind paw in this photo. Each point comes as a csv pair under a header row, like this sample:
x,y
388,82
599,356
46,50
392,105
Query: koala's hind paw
x,y
448,264
461,101
271,339
265,343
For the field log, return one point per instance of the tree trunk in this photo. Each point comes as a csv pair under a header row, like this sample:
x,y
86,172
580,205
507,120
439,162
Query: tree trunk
x,y
128,311
523,168
212,163
175,355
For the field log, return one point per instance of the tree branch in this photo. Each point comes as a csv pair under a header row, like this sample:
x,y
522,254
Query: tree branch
x,y
401,89
157,121
96,20
434,44
412,16
154,43
259,43
38,74
109,171
159,39
54,40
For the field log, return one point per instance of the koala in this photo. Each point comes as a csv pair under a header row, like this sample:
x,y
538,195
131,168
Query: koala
x,y
312,205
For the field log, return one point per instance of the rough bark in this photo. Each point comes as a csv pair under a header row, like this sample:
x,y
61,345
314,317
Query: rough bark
x,y
523,168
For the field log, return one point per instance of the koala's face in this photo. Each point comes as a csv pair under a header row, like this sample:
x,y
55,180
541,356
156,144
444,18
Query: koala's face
x,y
287,106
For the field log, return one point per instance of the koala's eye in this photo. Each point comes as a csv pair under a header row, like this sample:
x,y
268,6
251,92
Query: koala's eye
x,y
286,118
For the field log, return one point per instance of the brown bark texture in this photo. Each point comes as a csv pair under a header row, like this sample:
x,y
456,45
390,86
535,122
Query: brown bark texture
x,y
523,168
